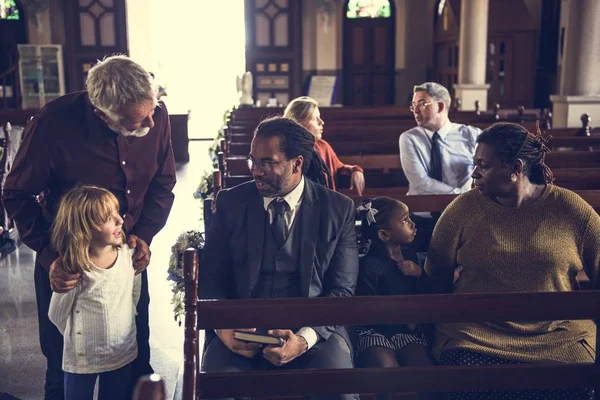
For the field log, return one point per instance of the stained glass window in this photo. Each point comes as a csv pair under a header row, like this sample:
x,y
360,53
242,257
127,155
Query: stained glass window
x,y
9,10
369,9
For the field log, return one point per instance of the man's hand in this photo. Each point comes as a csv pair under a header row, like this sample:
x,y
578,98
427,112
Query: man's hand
x,y
141,257
244,349
293,347
409,268
357,181
60,280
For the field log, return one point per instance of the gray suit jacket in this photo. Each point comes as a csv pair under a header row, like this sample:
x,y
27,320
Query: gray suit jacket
x,y
230,265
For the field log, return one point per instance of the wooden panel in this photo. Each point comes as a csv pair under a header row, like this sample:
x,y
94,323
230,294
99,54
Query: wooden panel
x,y
261,313
447,20
381,54
500,58
510,24
446,64
273,46
524,62
97,29
359,42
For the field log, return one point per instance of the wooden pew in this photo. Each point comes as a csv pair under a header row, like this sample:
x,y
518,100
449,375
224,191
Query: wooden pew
x,y
556,159
425,203
263,313
376,125
438,202
586,176
393,113
389,144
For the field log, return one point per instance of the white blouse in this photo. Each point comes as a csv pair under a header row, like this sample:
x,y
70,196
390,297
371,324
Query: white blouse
x,y
97,318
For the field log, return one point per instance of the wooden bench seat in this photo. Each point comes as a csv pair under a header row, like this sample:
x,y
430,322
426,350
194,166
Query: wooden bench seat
x,y
438,202
354,130
392,113
556,159
389,145
384,163
236,172
263,313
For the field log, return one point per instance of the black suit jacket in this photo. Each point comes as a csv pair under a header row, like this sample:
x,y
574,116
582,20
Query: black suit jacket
x,y
230,265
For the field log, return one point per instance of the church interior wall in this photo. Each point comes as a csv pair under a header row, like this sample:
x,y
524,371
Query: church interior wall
x,y
323,43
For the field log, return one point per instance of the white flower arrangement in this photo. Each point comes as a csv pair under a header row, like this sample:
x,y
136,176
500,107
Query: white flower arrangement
x,y
195,239
206,186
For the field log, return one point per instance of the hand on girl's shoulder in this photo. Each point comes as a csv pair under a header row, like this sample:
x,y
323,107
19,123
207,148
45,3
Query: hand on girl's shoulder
x,y
409,268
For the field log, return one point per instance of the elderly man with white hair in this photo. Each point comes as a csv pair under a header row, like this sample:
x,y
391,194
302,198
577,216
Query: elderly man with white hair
x,y
436,155
116,135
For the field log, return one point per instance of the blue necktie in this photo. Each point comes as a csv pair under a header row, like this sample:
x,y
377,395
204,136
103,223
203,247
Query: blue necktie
x,y
435,165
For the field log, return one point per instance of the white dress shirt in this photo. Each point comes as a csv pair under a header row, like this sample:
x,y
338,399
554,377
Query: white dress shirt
x,y
457,146
294,201
97,318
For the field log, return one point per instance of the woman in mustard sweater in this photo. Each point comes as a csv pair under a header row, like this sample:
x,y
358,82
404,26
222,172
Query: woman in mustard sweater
x,y
516,232
305,111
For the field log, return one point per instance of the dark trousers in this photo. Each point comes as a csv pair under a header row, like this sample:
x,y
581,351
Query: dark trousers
x,y
51,341
334,352
110,385
425,228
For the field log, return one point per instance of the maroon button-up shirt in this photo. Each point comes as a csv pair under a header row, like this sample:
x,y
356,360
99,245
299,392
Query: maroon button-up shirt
x,y
67,144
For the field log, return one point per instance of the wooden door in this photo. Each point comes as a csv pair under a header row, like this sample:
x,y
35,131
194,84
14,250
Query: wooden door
x,y
96,29
446,64
368,68
274,48
499,69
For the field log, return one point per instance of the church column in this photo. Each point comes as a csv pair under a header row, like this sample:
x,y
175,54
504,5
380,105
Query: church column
x,y
579,83
472,54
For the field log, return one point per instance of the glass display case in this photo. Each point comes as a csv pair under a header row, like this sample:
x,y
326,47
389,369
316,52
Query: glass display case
x,y
41,73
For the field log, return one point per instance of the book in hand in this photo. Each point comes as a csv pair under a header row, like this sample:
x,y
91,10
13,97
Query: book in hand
x,y
267,340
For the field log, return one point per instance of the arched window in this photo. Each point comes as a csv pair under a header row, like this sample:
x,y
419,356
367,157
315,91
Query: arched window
x,y
368,9
9,10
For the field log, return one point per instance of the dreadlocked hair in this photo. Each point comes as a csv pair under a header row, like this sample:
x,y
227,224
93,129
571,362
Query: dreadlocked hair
x,y
296,141
368,240
512,142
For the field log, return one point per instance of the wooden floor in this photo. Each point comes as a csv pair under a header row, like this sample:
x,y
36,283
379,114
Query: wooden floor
x,y
22,365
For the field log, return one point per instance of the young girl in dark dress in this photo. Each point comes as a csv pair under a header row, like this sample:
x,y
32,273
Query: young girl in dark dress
x,y
389,267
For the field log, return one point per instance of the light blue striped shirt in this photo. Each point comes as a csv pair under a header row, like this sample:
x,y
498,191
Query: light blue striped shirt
x,y
457,145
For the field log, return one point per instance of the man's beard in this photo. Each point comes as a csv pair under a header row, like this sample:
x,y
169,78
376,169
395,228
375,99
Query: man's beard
x,y
140,132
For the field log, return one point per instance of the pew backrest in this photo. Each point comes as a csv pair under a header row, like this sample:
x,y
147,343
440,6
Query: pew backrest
x,y
263,313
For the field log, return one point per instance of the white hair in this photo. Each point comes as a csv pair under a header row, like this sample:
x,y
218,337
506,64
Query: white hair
x,y
436,91
118,81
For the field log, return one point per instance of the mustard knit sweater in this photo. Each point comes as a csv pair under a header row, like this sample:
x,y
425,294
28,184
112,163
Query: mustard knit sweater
x,y
536,248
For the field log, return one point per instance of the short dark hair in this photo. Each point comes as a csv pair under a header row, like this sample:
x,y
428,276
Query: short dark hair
x,y
512,142
295,141
368,238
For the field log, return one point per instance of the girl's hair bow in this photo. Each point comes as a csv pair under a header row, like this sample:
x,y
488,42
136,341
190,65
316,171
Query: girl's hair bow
x,y
370,212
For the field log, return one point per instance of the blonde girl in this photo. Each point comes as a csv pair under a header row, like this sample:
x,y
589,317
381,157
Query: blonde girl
x,y
97,318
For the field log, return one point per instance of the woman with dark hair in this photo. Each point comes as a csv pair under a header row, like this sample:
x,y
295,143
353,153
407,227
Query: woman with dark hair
x,y
515,233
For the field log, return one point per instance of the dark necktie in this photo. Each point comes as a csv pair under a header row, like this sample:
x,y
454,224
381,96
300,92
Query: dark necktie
x,y
435,166
278,224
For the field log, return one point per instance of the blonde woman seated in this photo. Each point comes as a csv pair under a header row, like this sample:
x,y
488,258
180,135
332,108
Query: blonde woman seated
x,y
305,111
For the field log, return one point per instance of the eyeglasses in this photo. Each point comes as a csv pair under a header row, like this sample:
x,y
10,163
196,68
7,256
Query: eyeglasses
x,y
419,106
266,166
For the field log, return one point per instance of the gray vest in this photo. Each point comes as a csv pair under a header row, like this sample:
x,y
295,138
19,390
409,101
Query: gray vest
x,y
280,267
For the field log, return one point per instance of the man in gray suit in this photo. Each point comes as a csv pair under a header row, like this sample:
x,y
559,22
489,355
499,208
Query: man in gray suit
x,y
281,235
